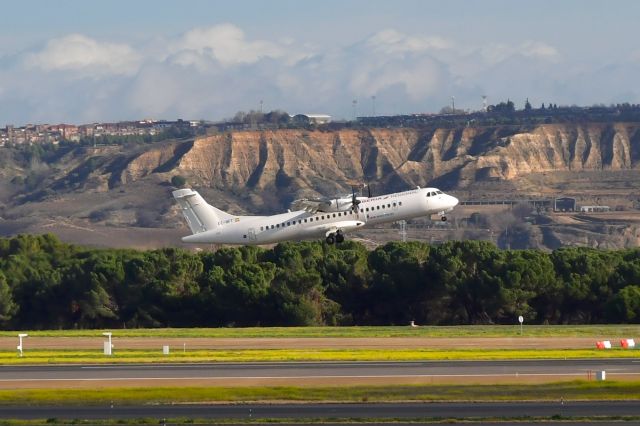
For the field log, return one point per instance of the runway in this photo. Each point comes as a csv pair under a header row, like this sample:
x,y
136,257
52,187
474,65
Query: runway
x,y
330,411
315,373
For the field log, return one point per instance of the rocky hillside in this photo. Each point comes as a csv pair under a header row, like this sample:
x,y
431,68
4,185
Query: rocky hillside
x,y
294,161
262,171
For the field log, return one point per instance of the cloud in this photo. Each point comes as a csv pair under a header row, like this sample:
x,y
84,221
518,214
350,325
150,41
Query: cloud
x,y
390,41
77,52
226,43
494,53
538,49
212,72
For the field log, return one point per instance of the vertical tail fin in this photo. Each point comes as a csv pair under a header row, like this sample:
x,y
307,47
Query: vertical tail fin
x,y
200,216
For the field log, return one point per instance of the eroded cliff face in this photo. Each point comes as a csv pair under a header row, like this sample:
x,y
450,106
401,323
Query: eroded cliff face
x,y
267,169
315,161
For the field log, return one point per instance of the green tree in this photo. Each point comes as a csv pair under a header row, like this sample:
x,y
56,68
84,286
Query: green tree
x,y
178,181
397,286
625,306
7,306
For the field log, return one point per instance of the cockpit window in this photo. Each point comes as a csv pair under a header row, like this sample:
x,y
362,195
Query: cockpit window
x,y
438,192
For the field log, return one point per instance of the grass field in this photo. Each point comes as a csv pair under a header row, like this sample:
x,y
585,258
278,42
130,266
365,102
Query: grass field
x,y
596,331
576,390
263,355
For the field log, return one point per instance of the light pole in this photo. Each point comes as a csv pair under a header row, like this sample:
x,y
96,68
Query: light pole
x,y
20,336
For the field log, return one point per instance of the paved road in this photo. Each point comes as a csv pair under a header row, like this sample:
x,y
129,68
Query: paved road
x,y
313,411
221,373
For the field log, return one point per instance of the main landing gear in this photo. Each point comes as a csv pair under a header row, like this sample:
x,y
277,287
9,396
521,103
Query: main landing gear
x,y
335,238
443,218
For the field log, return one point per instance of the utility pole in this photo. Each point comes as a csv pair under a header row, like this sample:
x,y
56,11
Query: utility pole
x,y
373,103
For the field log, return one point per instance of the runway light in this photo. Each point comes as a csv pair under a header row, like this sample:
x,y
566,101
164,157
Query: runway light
x,y
20,336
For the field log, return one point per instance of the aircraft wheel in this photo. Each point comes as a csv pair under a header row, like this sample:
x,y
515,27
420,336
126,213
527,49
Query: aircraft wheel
x,y
443,218
339,238
330,239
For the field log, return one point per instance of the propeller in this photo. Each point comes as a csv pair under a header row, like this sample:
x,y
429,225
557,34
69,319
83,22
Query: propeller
x,y
368,190
354,200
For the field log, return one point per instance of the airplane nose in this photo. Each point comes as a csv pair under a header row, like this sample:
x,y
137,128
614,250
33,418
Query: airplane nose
x,y
454,200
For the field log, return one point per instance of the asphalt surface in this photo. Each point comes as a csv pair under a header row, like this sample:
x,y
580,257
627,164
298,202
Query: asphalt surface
x,y
145,374
331,411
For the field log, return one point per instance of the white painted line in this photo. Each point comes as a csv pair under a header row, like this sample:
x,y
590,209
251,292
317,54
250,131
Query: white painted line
x,y
108,379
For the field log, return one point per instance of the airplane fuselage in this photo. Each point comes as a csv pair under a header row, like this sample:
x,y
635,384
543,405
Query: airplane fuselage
x,y
301,224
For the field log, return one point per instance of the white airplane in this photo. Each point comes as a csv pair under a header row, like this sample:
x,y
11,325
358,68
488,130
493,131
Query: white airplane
x,y
328,219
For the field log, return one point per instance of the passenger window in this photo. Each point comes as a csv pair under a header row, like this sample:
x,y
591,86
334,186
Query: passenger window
x,y
334,215
271,226
383,206
305,221
288,223
399,203
377,207
261,228
278,225
389,205
322,217
394,204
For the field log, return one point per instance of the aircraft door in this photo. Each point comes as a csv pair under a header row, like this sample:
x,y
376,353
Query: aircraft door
x,y
252,234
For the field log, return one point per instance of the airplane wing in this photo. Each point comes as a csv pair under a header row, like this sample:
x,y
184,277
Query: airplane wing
x,y
310,205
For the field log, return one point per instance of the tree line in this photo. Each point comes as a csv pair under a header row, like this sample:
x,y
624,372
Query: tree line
x,y
47,284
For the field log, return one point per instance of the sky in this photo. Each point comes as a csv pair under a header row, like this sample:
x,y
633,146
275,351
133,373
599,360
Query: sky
x,y
78,61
